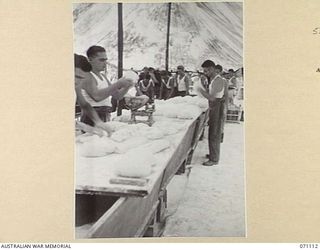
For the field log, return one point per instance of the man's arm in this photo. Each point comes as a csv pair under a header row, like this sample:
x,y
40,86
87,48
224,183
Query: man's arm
x,y
119,93
89,85
89,111
188,79
152,86
153,77
218,86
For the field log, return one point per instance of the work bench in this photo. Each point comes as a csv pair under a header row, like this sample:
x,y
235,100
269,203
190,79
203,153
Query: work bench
x,y
105,210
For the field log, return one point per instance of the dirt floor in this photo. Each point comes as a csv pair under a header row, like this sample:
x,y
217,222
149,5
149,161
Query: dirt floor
x,y
211,200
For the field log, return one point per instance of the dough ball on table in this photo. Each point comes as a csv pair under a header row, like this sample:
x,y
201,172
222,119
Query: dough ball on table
x,y
97,148
115,125
170,130
139,127
154,134
175,100
124,133
190,112
136,164
187,99
125,117
86,138
158,146
131,143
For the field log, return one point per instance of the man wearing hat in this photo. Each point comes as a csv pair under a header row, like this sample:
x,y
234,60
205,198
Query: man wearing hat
x,y
181,83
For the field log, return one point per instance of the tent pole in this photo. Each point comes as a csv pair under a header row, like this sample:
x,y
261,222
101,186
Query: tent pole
x,y
168,36
120,41
120,53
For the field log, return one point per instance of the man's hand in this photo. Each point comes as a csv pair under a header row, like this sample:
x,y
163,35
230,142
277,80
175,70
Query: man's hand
x,y
125,82
105,127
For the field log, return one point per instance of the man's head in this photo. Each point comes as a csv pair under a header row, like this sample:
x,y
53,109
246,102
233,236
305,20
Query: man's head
x,y
81,68
218,69
145,70
208,68
97,57
180,70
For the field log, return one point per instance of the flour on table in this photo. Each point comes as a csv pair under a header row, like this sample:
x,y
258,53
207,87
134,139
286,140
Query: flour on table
x,y
131,143
139,166
96,147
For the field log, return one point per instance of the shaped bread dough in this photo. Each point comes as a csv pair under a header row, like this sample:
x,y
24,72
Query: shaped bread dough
x,y
123,134
86,138
136,164
176,100
154,134
116,125
190,112
129,144
125,117
170,130
97,147
158,146
187,99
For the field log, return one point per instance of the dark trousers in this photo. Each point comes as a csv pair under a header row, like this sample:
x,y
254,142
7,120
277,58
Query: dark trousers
x,y
178,93
215,126
103,112
181,93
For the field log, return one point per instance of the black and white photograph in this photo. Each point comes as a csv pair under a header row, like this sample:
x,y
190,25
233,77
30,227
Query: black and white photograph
x,y
159,120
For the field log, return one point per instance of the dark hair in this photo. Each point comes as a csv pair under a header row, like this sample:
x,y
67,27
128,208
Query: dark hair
x,y
81,62
207,64
231,71
180,67
93,50
218,67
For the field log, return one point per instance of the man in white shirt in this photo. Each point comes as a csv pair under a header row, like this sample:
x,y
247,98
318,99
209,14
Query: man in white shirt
x,y
214,94
218,68
97,89
81,70
181,83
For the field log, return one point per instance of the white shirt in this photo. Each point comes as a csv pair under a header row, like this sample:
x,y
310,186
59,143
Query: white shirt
x,y
101,84
181,83
220,93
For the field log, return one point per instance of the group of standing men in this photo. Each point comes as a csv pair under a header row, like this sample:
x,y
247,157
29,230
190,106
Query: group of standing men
x,y
162,84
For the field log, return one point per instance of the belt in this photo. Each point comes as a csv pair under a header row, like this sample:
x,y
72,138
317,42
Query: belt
x,y
103,109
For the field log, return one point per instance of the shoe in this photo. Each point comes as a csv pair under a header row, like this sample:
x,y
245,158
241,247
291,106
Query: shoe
x,y
210,163
207,156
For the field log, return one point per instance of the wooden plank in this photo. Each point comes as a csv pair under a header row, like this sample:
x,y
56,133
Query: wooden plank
x,y
129,181
110,191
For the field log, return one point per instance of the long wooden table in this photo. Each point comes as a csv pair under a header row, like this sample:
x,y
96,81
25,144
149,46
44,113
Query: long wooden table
x,y
138,211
